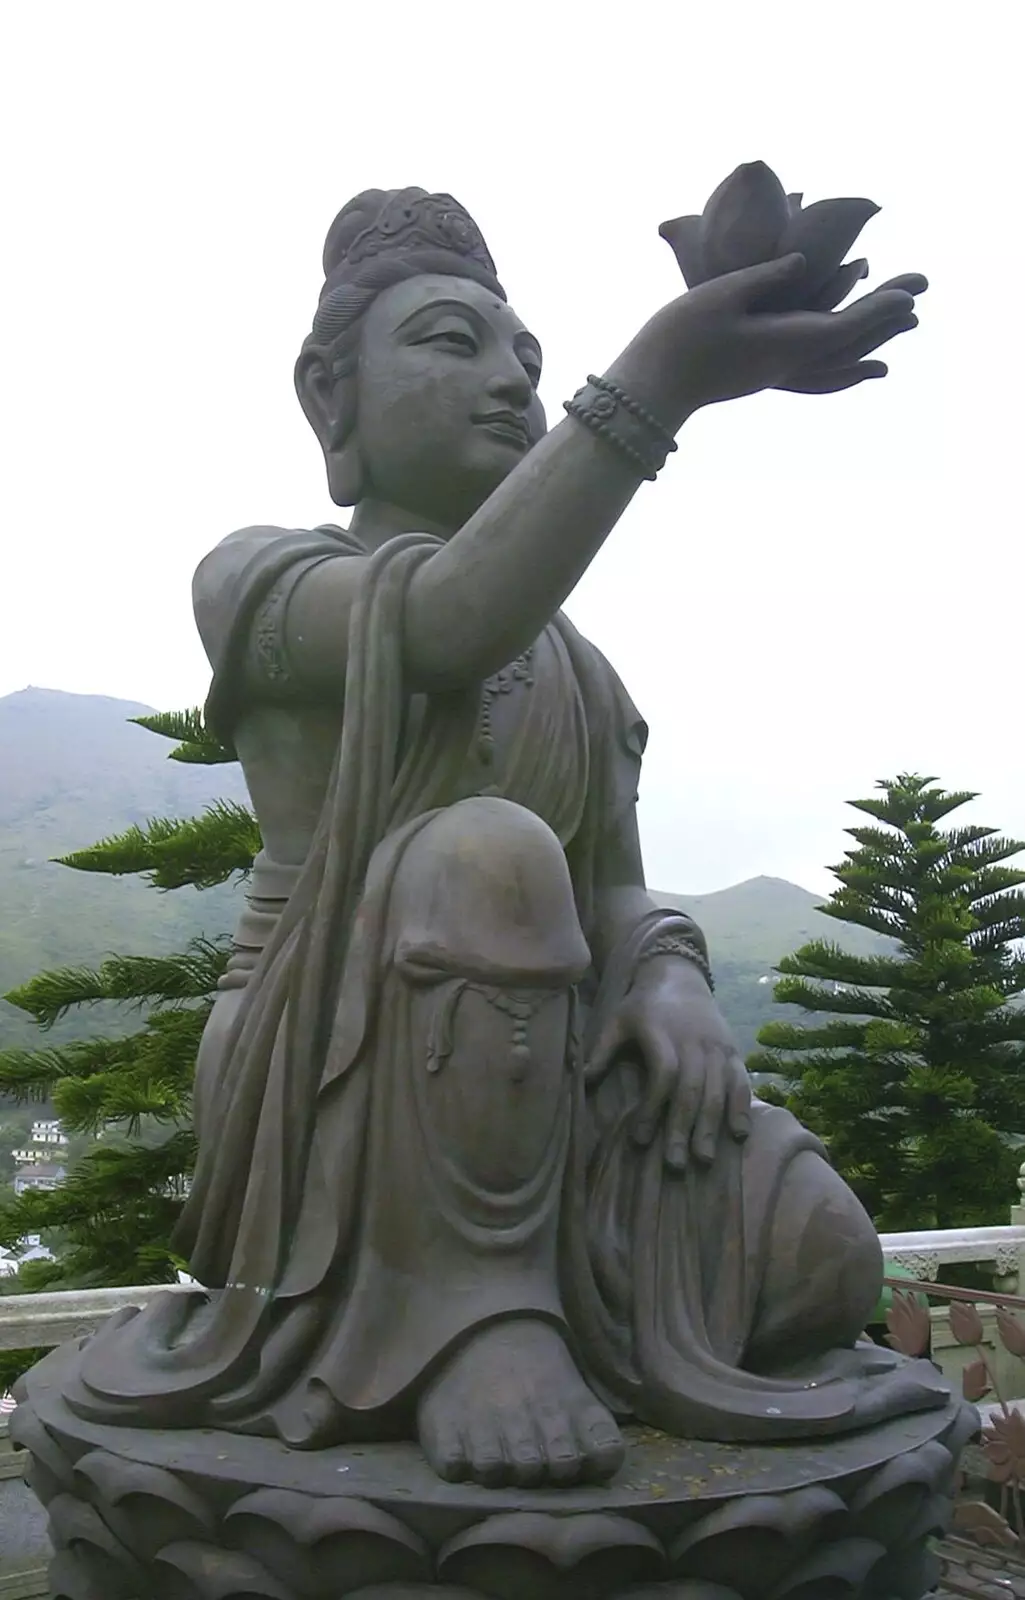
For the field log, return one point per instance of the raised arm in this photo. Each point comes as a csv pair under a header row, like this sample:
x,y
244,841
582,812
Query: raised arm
x,y
488,593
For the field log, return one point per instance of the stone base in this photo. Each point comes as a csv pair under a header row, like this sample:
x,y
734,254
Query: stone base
x,y
204,1515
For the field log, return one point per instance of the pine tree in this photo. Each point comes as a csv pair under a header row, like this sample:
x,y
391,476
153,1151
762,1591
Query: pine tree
x,y
918,1079
115,1213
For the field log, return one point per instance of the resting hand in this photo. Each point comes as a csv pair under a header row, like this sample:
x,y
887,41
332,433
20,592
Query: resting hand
x,y
694,1076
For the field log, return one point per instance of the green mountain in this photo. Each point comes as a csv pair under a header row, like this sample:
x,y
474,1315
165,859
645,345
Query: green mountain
x,y
73,769
749,927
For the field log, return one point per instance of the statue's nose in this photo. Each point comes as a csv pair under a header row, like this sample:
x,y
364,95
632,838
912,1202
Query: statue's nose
x,y
511,383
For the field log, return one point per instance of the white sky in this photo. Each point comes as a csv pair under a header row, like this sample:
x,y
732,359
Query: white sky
x,y
817,592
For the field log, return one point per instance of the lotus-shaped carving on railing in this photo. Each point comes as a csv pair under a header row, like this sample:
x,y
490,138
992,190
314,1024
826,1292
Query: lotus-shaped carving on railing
x,y
751,219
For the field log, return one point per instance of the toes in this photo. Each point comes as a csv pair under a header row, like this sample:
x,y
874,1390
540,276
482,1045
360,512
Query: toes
x,y
601,1445
488,1464
558,1441
523,1452
443,1445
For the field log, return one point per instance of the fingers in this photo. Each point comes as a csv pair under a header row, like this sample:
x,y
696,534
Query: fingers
x,y
869,322
709,1120
662,1068
610,1041
870,340
687,1104
738,1100
910,282
832,379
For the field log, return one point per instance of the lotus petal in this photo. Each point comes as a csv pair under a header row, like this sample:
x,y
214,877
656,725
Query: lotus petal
x,y
145,1506
965,1323
338,1541
975,1384
823,233
763,1533
894,1496
794,203
744,220
838,1571
908,1324
532,1552
204,1572
839,286
683,235
1011,1331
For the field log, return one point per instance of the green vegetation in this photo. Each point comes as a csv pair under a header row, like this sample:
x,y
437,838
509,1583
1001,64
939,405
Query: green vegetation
x,y
916,1082
127,1092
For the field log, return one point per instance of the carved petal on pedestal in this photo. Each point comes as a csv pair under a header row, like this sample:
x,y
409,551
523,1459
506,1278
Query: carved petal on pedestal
x,y
51,1469
70,1580
753,1542
80,1530
194,1571
908,1575
337,1542
891,1501
835,1573
146,1506
532,1553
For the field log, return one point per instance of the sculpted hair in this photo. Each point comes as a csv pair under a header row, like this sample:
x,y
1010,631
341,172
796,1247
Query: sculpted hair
x,y
381,238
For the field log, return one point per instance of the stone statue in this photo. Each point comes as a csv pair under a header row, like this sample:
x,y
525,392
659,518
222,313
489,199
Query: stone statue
x,y
479,1165
478,1159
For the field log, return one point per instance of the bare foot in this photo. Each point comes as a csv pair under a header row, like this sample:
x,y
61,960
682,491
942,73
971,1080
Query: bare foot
x,y
511,1407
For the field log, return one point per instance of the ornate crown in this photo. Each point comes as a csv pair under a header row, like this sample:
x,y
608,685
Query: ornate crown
x,y
412,219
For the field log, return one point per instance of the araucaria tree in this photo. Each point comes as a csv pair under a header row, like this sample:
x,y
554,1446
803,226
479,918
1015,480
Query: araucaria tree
x,y
917,1079
114,1216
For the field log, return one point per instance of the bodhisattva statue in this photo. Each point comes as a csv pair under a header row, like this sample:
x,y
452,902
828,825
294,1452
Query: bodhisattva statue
x,y
479,1163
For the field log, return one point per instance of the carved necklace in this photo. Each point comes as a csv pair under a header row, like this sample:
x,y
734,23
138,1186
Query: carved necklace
x,y
520,671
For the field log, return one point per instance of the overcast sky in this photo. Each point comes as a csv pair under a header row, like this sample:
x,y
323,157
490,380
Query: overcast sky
x,y
818,591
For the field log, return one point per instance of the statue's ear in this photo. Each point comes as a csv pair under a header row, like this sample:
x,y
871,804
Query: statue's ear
x,y
327,404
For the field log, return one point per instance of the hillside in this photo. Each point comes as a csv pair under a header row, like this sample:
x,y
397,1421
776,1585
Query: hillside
x,y
73,769
749,927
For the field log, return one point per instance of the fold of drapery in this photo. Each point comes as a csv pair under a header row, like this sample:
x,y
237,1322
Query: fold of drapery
x,y
661,1271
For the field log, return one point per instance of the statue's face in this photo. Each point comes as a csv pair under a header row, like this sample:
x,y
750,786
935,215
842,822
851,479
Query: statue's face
x,y
447,400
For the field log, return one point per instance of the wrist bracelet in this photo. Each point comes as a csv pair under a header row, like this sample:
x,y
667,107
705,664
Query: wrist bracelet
x,y
608,411
676,944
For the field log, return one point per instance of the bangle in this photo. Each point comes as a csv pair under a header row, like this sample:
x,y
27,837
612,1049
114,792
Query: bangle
x,y
608,411
677,944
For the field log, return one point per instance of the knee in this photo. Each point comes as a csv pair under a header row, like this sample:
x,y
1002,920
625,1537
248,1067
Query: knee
x,y
825,1267
486,884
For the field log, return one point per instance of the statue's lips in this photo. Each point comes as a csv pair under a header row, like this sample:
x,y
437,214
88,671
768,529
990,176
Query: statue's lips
x,y
507,426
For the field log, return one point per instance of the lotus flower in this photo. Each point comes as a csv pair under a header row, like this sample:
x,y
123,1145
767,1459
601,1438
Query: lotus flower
x,y
750,219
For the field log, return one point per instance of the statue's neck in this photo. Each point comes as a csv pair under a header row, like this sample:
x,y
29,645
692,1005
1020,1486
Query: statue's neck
x,y
374,522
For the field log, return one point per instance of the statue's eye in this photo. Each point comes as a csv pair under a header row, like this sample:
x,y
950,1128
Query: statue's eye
x,y
455,339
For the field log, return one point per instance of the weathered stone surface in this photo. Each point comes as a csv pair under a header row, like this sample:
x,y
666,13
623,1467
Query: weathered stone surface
x,y
207,1514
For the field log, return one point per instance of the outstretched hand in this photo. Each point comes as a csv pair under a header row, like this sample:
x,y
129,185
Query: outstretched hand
x,y
729,348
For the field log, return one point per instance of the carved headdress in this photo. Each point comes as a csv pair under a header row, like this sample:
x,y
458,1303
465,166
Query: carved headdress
x,y
385,236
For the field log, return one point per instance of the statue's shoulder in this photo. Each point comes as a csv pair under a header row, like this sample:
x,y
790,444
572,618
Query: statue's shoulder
x,y
244,567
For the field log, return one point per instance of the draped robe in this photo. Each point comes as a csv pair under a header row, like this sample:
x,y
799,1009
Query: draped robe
x,y
311,1137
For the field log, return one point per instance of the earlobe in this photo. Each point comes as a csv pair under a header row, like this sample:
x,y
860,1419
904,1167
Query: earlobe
x,y
345,476
323,400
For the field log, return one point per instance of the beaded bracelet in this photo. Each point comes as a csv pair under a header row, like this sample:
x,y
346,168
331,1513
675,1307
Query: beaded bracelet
x,y
677,944
608,411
